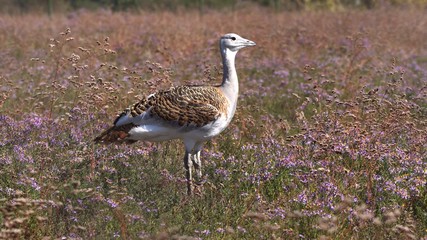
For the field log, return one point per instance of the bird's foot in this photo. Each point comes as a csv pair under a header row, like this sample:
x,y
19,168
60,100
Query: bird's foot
x,y
190,188
201,181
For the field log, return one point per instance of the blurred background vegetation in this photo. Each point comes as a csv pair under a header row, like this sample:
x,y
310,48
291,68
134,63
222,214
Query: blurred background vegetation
x,y
59,6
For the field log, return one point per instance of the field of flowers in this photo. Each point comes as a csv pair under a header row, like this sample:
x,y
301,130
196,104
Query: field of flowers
x,y
328,141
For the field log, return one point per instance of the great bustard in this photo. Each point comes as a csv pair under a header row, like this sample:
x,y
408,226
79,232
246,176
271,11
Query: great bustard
x,y
194,114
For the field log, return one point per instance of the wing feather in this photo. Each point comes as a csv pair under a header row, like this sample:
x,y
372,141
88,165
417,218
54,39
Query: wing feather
x,y
186,105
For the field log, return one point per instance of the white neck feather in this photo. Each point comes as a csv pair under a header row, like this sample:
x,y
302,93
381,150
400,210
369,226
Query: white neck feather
x,y
230,83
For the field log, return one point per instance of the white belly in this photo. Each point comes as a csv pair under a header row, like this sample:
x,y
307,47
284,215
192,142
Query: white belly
x,y
155,131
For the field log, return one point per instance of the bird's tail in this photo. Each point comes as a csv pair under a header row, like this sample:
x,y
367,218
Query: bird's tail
x,y
115,135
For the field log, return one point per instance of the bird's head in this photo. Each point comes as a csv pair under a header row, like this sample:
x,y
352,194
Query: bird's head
x,y
234,42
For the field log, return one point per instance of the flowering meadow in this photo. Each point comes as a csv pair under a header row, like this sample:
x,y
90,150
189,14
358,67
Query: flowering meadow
x,y
328,141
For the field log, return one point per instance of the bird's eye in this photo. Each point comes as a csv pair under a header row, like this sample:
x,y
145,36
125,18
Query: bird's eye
x,y
233,38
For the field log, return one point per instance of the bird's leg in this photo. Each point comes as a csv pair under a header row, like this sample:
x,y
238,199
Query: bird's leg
x,y
198,162
197,165
188,164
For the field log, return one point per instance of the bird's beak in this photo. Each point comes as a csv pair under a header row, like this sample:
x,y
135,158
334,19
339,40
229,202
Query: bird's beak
x,y
248,42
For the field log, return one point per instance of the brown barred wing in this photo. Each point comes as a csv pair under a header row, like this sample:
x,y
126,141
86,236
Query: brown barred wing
x,y
189,105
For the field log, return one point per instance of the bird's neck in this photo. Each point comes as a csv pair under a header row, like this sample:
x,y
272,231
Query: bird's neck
x,y
230,83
